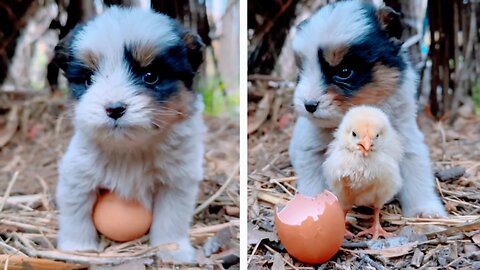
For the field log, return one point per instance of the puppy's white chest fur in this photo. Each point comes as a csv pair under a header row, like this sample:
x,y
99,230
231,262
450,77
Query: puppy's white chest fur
x,y
137,173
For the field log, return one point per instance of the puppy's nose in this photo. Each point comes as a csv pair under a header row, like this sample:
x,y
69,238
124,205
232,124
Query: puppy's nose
x,y
311,106
115,110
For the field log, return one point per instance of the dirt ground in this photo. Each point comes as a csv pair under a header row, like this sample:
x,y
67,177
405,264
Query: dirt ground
x,y
35,132
449,243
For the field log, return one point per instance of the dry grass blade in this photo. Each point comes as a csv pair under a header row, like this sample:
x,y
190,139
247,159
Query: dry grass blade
x,y
206,203
9,189
12,123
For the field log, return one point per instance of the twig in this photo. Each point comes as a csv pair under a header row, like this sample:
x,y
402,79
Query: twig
x,y
44,185
462,202
9,189
439,188
362,244
253,252
90,258
468,226
24,262
28,227
206,203
281,186
287,262
214,228
9,248
371,262
6,263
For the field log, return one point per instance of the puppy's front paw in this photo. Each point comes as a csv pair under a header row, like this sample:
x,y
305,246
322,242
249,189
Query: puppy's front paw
x,y
184,254
427,211
78,245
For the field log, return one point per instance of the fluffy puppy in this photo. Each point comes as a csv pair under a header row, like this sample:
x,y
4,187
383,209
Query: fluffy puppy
x,y
348,54
138,128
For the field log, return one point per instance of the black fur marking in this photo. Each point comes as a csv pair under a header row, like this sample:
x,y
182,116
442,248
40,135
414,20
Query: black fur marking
x,y
171,66
370,49
78,74
79,77
362,73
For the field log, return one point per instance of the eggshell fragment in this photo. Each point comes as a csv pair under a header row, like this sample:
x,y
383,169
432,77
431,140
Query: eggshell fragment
x,y
311,228
119,219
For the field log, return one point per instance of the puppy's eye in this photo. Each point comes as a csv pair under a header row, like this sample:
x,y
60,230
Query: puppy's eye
x,y
354,134
88,81
344,74
150,78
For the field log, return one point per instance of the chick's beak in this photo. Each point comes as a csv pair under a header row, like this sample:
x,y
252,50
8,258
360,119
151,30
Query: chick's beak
x,y
365,145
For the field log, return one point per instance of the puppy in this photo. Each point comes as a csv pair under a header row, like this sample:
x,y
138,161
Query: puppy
x,y
348,54
138,128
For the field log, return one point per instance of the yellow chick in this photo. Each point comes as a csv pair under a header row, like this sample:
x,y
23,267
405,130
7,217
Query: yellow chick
x,y
362,164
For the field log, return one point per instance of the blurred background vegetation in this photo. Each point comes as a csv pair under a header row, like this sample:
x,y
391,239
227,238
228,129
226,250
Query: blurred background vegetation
x,y
29,31
441,35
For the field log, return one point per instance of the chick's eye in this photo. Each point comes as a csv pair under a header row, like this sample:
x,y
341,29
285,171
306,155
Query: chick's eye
x,y
344,73
150,78
378,135
354,134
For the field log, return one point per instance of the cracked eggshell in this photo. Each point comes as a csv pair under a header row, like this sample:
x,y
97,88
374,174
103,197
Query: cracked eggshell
x,y
311,228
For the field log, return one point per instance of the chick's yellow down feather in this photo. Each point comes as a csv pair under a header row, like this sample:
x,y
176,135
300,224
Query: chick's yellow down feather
x,y
362,164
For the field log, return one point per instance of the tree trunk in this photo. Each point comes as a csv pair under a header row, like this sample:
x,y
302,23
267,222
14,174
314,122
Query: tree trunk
x,y
270,22
190,13
13,17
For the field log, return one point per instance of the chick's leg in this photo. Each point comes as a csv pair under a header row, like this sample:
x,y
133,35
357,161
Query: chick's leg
x,y
376,230
348,233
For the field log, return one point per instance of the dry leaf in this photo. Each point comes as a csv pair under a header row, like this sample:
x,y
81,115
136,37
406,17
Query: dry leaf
x,y
278,263
390,252
255,235
220,241
261,113
476,238
451,206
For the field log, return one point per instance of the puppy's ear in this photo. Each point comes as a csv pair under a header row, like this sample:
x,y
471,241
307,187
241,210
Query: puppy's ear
x,y
302,24
390,21
62,51
195,47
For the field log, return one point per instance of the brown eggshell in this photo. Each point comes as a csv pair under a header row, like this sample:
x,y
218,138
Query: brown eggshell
x,y
311,228
119,219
